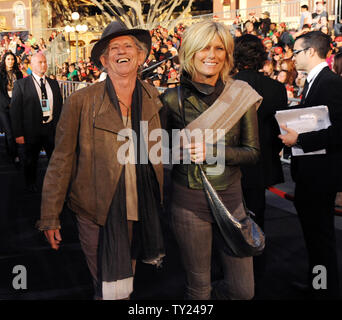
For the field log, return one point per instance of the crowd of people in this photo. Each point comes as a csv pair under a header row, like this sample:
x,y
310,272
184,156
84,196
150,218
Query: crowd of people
x,y
23,46
118,201
277,38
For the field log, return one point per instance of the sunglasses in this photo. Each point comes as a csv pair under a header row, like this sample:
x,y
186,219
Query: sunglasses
x,y
295,52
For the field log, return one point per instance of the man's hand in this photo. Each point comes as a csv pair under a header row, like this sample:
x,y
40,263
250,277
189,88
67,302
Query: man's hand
x,y
20,140
290,138
53,237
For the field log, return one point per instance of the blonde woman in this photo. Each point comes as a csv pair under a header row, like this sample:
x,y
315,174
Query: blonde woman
x,y
205,65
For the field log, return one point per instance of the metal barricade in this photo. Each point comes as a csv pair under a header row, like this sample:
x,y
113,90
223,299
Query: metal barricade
x,y
293,101
161,89
69,87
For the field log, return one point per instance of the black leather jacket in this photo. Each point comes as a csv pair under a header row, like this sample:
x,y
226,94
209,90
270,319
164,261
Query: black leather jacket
x,y
4,98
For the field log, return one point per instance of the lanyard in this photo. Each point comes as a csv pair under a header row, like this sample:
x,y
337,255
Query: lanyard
x,y
41,89
44,81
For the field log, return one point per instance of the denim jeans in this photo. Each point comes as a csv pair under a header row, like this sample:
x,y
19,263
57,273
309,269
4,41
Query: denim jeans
x,y
195,239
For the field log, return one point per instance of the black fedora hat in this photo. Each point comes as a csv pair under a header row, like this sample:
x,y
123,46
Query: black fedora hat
x,y
116,29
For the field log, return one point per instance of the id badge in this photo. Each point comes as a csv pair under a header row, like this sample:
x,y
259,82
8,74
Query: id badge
x,y
45,105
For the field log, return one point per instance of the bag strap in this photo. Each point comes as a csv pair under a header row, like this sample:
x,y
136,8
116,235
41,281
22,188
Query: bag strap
x,y
182,114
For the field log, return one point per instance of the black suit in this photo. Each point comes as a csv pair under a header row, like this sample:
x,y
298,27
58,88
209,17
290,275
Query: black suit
x,y
27,120
319,177
268,171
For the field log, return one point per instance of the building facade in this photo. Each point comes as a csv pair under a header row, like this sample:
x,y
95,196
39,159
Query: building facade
x,y
24,15
287,11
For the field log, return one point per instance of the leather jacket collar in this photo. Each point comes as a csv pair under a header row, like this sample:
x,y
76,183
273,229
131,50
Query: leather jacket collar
x,y
203,88
206,92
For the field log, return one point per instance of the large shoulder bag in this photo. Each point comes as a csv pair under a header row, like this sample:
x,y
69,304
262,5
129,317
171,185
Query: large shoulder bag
x,y
243,238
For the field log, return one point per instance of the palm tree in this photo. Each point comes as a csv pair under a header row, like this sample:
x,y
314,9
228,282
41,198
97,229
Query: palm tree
x,y
134,13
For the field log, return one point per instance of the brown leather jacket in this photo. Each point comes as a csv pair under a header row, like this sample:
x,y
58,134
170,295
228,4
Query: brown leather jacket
x,y
85,155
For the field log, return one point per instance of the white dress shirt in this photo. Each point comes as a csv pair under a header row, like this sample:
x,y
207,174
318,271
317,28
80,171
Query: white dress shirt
x,y
314,73
36,82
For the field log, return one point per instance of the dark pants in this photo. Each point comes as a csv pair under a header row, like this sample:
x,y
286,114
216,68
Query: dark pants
x,y
195,239
29,155
5,124
89,234
316,214
256,202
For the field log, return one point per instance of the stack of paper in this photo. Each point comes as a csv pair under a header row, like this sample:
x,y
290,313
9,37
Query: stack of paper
x,y
304,120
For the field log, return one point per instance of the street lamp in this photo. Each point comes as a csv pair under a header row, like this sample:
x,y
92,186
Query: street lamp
x,y
75,16
76,28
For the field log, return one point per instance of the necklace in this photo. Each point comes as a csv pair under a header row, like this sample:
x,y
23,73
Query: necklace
x,y
10,77
127,107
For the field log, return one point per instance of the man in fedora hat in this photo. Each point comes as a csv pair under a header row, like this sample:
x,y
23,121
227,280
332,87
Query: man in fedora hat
x,y
115,194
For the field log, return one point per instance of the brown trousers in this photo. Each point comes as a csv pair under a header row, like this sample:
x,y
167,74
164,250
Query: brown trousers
x,y
88,233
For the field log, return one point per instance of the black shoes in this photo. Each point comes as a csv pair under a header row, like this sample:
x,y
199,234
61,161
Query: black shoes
x,y
303,289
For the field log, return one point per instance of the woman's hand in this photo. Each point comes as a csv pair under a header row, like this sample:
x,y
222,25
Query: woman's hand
x,y
196,151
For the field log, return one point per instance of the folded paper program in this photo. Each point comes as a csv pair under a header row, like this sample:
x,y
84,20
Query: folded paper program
x,y
304,120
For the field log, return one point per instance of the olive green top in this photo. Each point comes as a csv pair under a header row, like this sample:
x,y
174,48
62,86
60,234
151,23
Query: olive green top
x,y
241,142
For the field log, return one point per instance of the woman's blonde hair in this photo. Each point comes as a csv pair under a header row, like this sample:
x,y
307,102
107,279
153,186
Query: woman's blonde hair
x,y
197,37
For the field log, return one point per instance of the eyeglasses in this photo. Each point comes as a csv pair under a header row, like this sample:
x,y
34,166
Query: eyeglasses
x,y
295,52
